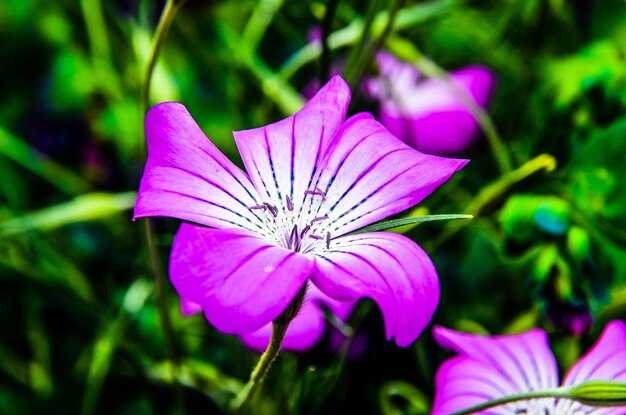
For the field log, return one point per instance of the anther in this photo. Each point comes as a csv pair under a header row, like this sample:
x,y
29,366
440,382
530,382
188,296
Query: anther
x,y
305,230
272,209
319,219
316,237
262,207
327,240
316,192
289,203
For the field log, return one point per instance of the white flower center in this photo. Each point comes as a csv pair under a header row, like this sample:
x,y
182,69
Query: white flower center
x,y
299,227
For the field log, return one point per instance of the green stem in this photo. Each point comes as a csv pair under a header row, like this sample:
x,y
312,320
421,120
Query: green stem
x,y
407,51
496,189
279,329
548,393
102,61
160,34
167,16
327,26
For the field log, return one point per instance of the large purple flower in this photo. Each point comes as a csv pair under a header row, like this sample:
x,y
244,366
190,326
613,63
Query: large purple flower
x,y
312,179
490,367
428,114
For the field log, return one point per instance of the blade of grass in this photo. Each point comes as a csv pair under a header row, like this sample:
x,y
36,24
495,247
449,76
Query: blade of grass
x,y
83,208
56,174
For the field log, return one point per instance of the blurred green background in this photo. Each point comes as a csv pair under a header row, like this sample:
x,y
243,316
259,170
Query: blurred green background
x,y
80,326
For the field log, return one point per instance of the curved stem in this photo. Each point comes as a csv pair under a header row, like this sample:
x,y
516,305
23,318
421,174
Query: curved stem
x,y
165,21
167,16
548,393
279,329
496,189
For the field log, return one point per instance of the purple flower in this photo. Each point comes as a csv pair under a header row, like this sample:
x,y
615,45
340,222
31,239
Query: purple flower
x,y
428,114
490,367
311,179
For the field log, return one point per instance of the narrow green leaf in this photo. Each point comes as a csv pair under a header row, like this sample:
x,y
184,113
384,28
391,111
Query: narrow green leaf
x,y
83,208
388,224
17,150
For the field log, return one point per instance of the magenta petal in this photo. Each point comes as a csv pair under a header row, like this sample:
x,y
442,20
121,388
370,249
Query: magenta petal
x,y
189,308
304,332
187,177
281,158
493,366
368,174
389,268
606,360
307,328
241,281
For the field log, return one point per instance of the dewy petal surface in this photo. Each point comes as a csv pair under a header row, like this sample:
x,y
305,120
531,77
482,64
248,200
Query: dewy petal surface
x,y
606,360
187,177
281,158
490,367
241,281
368,174
389,268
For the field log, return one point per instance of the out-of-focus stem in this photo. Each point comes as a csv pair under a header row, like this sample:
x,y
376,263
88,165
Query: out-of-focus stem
x,y
160,34
167,16
497,188
408,52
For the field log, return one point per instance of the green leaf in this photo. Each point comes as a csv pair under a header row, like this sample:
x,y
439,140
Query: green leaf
x,y
394,223
83,208
17,150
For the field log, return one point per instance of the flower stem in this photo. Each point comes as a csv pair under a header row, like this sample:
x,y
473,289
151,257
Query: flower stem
x,y
165,21
548,393
167,16
279,329
496,189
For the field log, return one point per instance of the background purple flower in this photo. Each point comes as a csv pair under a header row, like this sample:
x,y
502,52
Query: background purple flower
x,y
490,367
428,114
304,331
312,179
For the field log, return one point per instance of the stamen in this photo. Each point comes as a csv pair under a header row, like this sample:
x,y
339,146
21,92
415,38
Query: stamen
x,y
316,237
316,192
305,230
289,203
319,219
293,237
272,209
262,207
327,240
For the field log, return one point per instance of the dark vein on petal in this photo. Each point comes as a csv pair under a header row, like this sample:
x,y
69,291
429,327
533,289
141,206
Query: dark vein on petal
x,y
214,204
365,173
380,188
268,149
244,260
210,182
231,174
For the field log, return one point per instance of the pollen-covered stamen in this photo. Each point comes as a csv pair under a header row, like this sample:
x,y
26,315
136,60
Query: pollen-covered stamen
x,y
316,192
319,219
289,203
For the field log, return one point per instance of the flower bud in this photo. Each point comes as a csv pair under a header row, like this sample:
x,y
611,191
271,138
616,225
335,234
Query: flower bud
x,y
599,393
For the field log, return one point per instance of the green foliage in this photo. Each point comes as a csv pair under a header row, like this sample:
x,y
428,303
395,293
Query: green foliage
x,y
545,188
